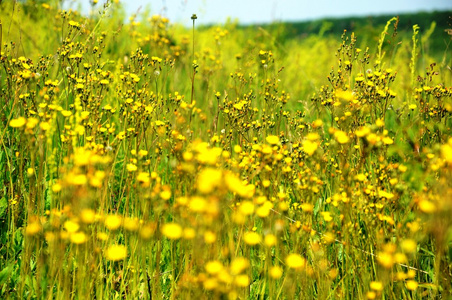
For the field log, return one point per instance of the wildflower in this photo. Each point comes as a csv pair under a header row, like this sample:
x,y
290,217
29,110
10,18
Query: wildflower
x,y
411,285
426,206
131,167
189,233
246,208
66,113
32,122
295,261
341,137
272,139
88,216
210,284
71,226
146,232
33,228
446,151
113,222
131,224
208,180
376,285
270,240
238,265
276,272
242,280
78,238
363,131
327,216
307,207
79,179
116,252
173,231
197,204
143,177
210,237
165,195
361,177
19,122
213,267
252,238
385,259
388,141
409,245
309,147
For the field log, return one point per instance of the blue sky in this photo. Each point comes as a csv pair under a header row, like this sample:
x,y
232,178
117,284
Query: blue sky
x,y
265,11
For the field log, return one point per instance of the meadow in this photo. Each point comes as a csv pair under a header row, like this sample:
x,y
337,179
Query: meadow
x,y
146,160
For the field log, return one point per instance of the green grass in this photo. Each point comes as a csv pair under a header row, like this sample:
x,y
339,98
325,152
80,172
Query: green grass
x,y
145,159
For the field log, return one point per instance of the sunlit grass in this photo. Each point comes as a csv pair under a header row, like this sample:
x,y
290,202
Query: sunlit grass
x,y
135,165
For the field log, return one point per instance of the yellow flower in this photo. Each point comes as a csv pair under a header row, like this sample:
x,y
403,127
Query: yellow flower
x,y
246,208
32,122
409,245
380,123
131,167
165,195
210,284
307,207
426,206
235,185
214,267
143,177
446,152
116,252
295,261
388,141
309,147
88,216
360,177
276,272
363,131
272,139
66,113
270,240
146,232
113,222
252,238
71,226
208,180
242,280
197,204
327,216
19,122
131,224
376,285
173,231
385,259
411,285
33,228
210,237
341,137
189,233
238,265
78,238
79,179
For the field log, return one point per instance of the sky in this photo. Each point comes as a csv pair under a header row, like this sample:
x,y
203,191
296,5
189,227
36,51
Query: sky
x,y
267,11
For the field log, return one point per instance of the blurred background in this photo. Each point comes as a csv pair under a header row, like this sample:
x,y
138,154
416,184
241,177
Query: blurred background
x,y
268,11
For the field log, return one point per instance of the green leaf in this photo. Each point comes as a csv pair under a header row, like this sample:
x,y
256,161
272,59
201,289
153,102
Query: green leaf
x,y
3,207
5,274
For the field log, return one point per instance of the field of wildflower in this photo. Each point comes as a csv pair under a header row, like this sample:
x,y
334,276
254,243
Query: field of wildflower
x,y
144,160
